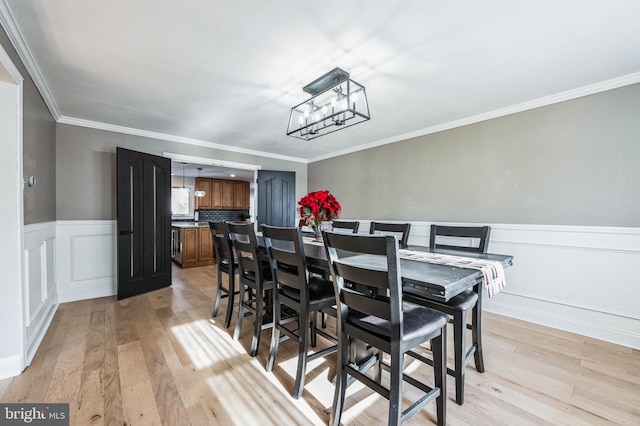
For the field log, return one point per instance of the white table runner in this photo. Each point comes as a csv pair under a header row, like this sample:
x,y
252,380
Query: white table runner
x,y
312,240
493,271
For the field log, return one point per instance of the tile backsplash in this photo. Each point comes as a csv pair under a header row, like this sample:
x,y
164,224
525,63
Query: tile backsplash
x,y
220,215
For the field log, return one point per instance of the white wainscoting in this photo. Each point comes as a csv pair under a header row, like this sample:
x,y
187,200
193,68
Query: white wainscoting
x,y
86,259
40,292
575,278
579,279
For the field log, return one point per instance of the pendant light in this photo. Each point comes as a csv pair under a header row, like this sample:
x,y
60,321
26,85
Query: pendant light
x,y
337,102
199,193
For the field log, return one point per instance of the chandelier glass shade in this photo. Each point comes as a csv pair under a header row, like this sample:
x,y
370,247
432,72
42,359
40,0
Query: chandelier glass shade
x,y
199,193
337,103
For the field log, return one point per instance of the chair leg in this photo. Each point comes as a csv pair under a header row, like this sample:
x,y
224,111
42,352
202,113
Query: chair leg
x,y
476,336
257,323
275,333
395,388
216,304
341,380
314,321
459,349
377,372
303,342
439,351
231,297
236,333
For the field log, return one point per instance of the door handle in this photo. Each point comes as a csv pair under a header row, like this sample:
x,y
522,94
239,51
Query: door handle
x,y
125,232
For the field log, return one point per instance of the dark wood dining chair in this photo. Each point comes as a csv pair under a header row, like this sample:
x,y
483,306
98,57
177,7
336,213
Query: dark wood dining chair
x,y
225,263
298,291
255,279
347,225
386,323
401,230
472,239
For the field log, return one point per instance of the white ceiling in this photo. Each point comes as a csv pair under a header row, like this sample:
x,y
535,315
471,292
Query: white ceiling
x,y
227,72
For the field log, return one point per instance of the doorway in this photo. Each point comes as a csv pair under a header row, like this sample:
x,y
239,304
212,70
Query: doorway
x,y
13,357
184,175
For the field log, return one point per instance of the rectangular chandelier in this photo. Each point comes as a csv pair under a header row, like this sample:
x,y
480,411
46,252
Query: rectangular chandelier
x,y
337,103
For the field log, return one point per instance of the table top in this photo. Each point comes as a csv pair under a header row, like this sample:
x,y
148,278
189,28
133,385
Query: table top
x,y
434,281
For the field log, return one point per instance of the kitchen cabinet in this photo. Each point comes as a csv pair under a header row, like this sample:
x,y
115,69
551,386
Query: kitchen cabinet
x,y
204,184
216,194
223,194
227,195
205,246
241,195
192,246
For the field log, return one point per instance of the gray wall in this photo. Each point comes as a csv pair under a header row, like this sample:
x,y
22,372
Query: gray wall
x,y
39,145
86,168
572,163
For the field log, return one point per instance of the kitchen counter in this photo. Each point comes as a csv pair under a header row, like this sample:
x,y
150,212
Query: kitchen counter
x,y
189,224
191,244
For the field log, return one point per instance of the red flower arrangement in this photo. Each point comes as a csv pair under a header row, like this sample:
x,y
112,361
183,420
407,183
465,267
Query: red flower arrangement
x,y
317,207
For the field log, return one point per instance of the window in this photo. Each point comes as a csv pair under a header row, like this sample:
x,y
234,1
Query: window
x,y
181,202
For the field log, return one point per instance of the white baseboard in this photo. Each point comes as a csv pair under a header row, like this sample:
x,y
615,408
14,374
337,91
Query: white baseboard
x,y
10,367
600,326
89,290
40,329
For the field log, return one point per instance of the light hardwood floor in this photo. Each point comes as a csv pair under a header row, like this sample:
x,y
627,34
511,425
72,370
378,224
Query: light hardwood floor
x,y
160,358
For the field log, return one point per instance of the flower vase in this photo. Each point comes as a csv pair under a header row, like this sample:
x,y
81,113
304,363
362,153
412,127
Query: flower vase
x,y
318,233
322,226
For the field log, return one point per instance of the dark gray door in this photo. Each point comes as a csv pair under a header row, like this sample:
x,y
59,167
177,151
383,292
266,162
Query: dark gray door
x,y
144,222
276,198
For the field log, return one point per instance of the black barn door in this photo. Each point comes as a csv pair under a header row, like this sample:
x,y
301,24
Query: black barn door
x,y
276,198
144,222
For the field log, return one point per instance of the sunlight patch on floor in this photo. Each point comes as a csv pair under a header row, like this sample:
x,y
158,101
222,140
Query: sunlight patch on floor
x,y
260,392
353,413
205,343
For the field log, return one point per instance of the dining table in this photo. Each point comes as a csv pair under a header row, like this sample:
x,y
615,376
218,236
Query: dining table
x,y
422,279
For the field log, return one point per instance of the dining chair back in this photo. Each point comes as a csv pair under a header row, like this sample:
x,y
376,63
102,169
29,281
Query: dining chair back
x,y
352,226
460,238
401,230
255,279
225,263
385,323
299,292
465,239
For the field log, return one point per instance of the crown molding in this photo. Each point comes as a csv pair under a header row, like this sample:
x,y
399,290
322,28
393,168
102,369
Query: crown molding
x,y
172,138
8,23
15,36
614,83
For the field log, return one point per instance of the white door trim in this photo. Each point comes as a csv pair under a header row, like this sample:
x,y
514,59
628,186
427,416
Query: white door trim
x,y
18,244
